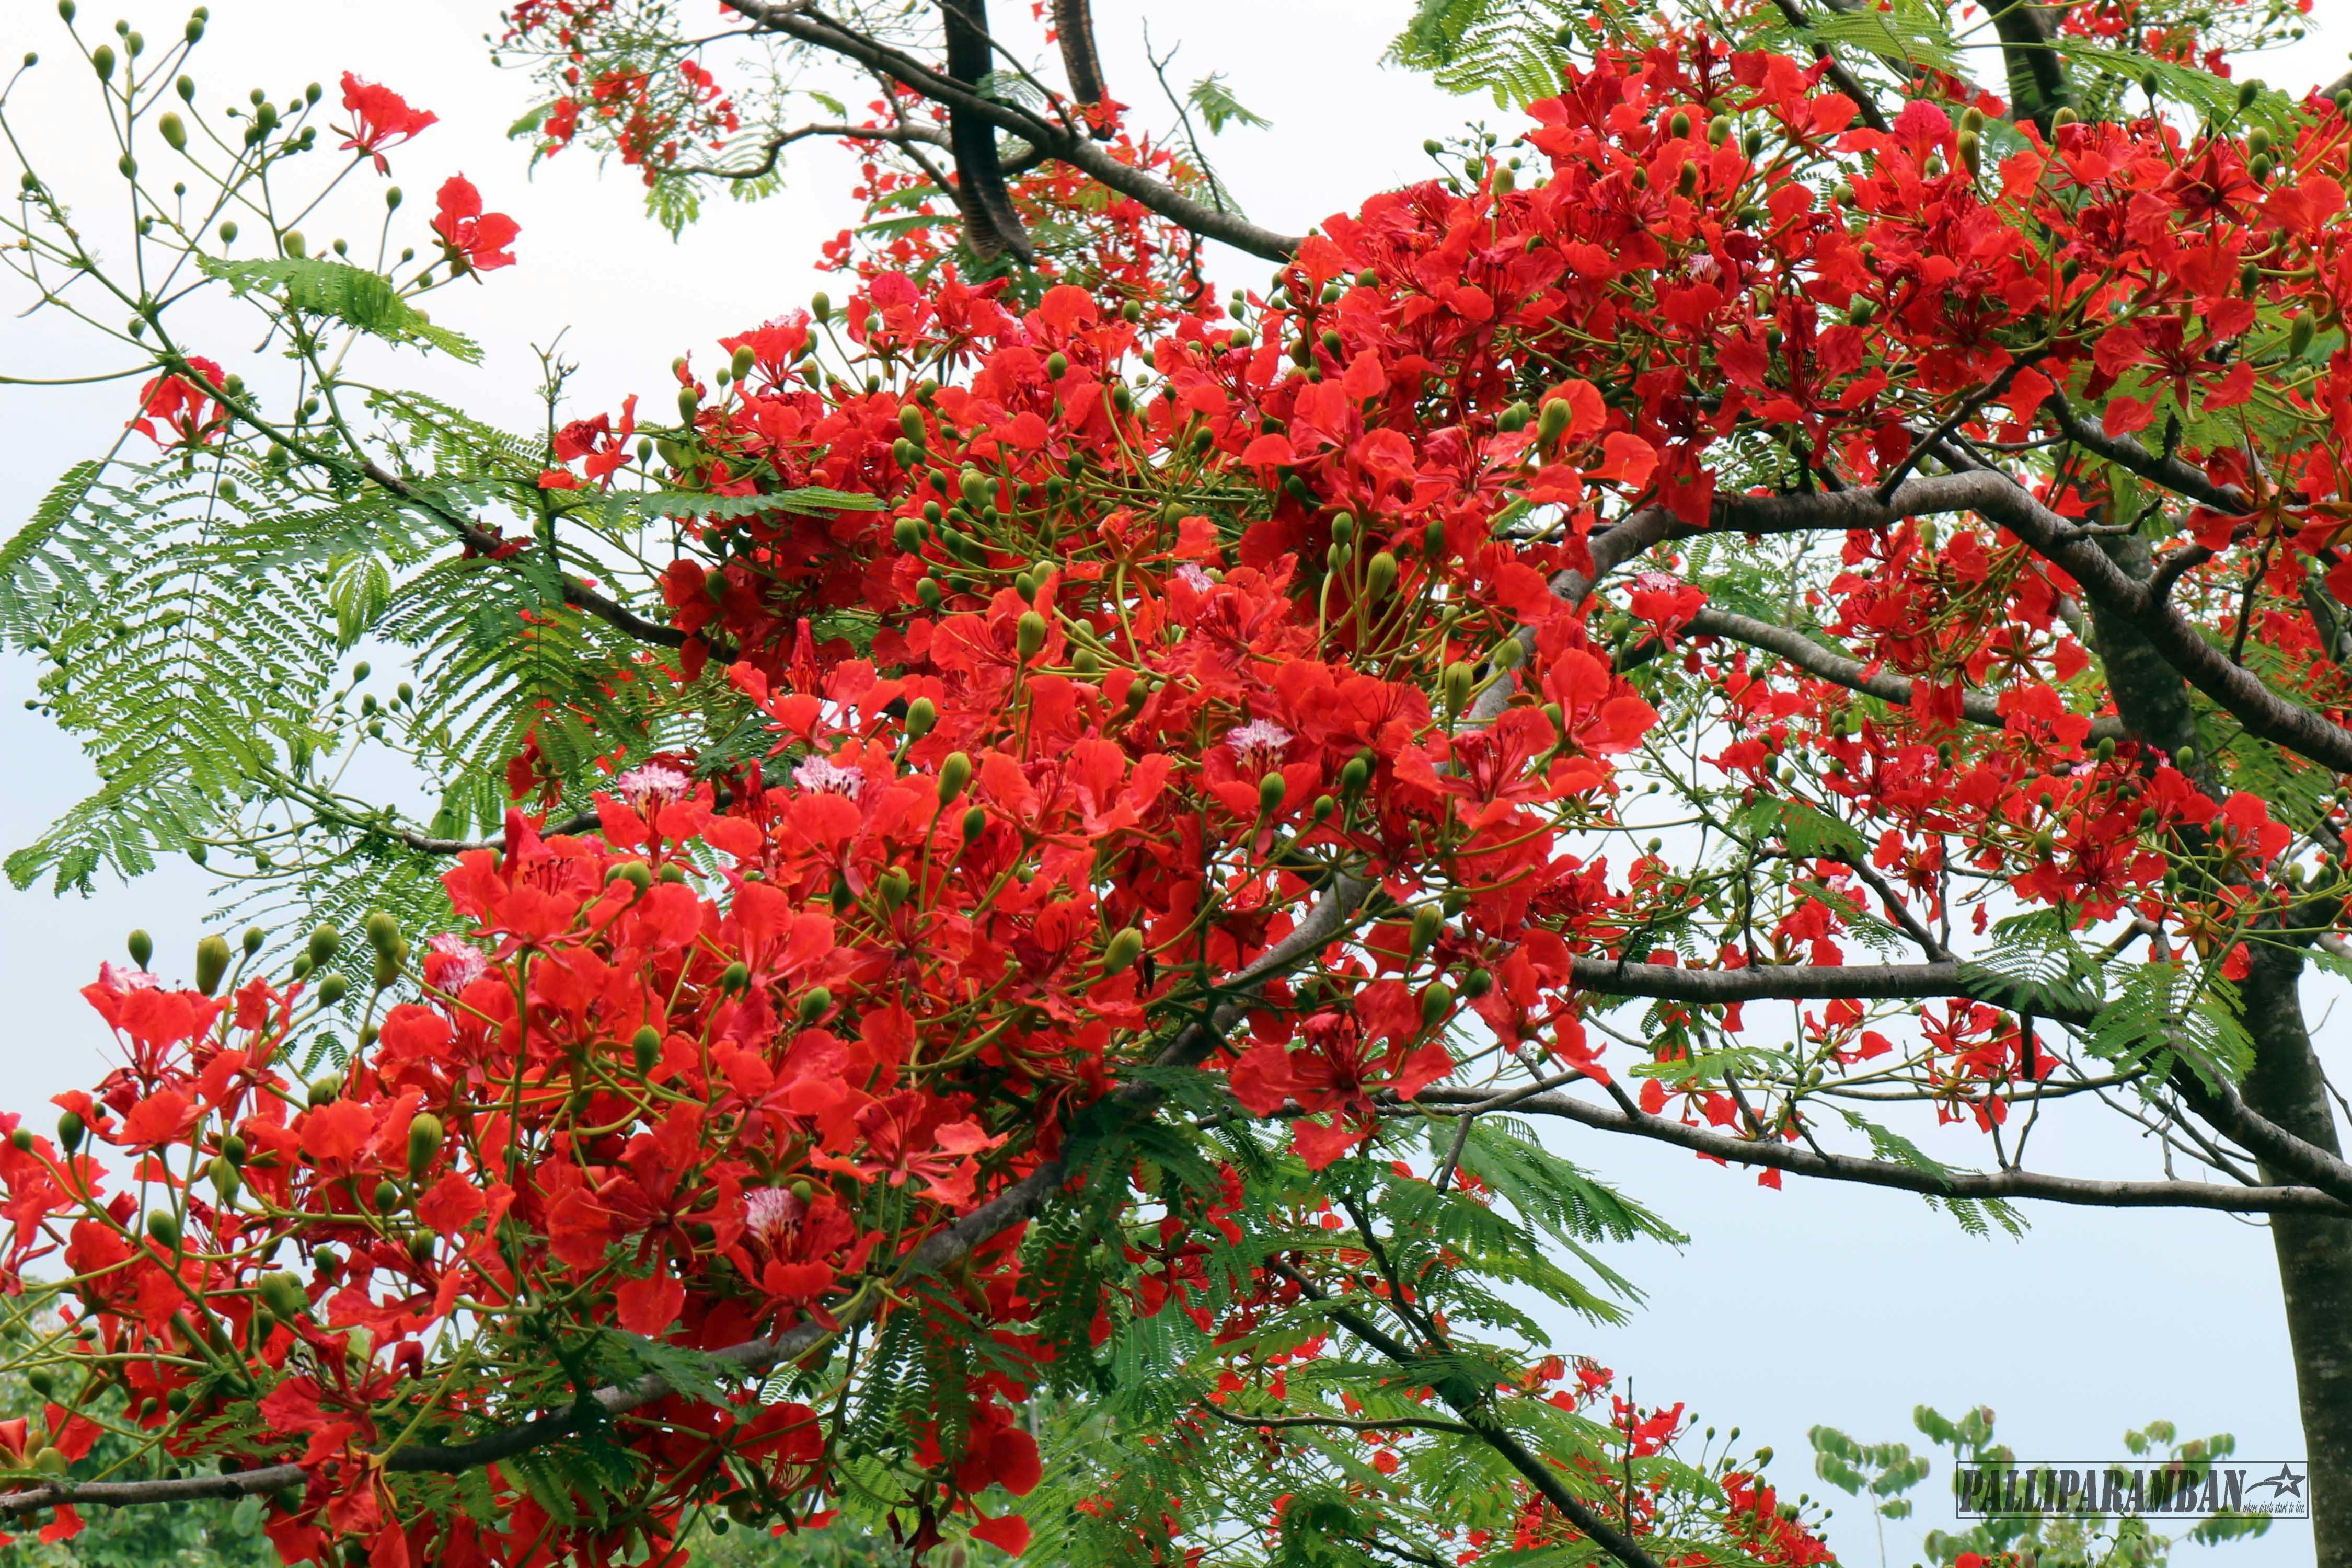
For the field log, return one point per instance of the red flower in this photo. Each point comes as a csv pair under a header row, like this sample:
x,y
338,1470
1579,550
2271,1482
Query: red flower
x,y
472,237
381,119
182,406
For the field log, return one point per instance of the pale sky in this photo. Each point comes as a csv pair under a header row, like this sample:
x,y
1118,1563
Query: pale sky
x,y
1819,1304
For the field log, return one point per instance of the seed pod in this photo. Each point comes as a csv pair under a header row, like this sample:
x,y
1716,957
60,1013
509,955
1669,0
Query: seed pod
x,y
975,823
1379,576
644,1049
164,1226
955,774
142,949
1554,421
921,714
1435,1004
815,1003
1121,951
69,1130
424,1135
211,964
1029,636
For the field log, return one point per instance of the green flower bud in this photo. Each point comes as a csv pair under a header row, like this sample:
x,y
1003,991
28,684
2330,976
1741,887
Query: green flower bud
x,y
424,1135
815,1003
636,873
164,1226
1030,636
975,823
1121,951
1379,576
174,131
921,714
1459,677
252,940
1553,422
1427,921
644,1049
70,1130
1057,364
386,1195
737,977
325,1090
382,932
211,964
226,1179
284,1294
332,987
1354,775
2299,334
821,307
142,948
101,60
955,774
324,943
49,1460
1270,790
232,1151
1436,1003
1476,984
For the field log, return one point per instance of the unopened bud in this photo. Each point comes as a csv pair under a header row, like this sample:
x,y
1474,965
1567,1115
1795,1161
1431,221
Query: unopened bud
x,y
955,774
424,1135
1121,951
211,964
644,1049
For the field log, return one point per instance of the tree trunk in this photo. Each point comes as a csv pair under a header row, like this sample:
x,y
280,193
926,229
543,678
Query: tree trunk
x,y
2284,1084
2314,1252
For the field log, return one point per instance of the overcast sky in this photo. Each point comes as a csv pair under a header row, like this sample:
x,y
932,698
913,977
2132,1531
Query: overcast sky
x,y
1816,1304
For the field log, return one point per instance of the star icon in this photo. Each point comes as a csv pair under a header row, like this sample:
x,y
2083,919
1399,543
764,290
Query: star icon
x,y
2286,1483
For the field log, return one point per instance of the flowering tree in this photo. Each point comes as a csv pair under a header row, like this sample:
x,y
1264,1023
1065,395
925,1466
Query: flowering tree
x,y
1045,843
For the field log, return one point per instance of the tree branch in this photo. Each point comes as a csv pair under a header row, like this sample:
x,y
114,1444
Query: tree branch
x,y
1853,674
1048,138
1972,1184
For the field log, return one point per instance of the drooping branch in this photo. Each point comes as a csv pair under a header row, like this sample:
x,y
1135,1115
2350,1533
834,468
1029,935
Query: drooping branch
x,y
1974,1185
1074,24
990,221
1476,1415
1806,653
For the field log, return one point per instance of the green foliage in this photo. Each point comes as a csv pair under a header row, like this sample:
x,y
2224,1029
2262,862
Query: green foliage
x,y
341,292
1220,108
1512,49
1887,1472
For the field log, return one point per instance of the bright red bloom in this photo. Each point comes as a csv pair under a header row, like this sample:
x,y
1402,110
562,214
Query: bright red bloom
x,y
473,239
381,119
183,407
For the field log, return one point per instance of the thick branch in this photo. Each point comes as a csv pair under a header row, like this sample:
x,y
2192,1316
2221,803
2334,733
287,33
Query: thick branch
x,y
2264,712
1052,140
